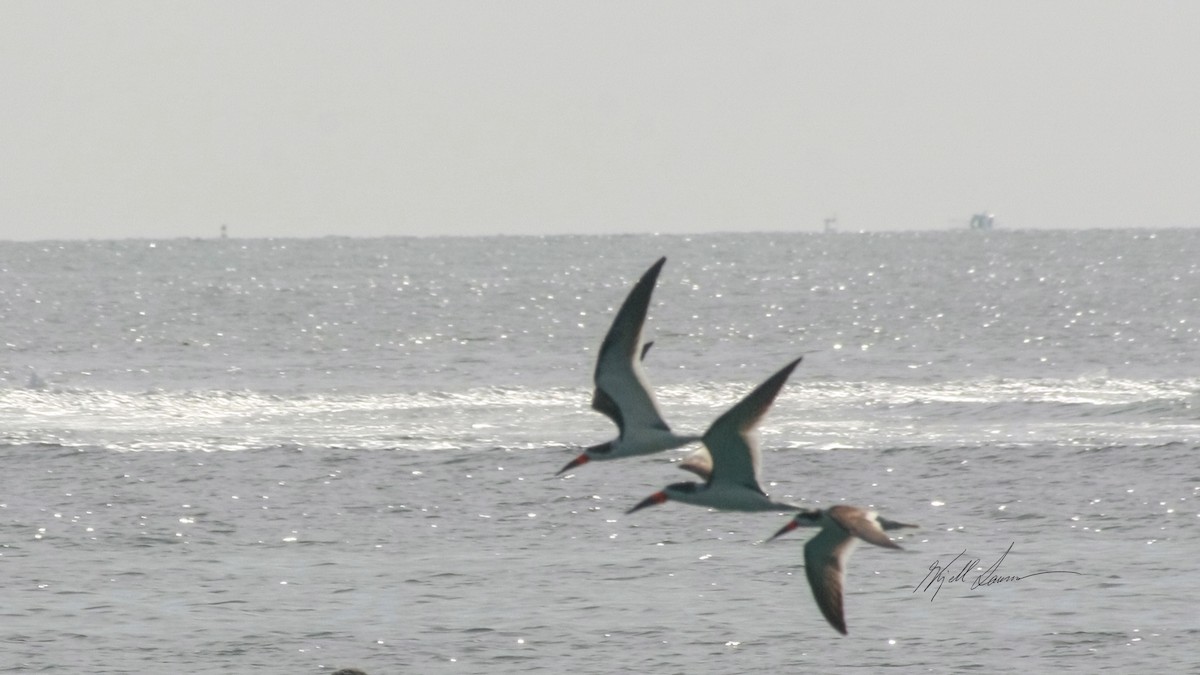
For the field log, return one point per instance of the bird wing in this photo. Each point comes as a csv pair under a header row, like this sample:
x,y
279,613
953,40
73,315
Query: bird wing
x,y
621,391
860,523
825,556
646,348
732,439
699,463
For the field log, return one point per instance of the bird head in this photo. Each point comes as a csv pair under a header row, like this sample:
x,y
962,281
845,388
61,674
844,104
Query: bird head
x,y
672,491
809,518
586,456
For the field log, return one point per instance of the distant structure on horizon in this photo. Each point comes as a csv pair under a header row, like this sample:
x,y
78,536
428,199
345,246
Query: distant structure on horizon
x,y
224,232
831,224
983,221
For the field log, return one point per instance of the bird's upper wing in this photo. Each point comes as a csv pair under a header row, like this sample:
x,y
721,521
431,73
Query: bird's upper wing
x,y
860,523
732,440
621,390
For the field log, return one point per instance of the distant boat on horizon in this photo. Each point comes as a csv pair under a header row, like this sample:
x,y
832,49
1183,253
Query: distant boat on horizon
x,y
982,221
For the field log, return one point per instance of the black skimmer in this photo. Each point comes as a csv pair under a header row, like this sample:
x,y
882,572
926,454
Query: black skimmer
x,y
825,555
730,463
621,392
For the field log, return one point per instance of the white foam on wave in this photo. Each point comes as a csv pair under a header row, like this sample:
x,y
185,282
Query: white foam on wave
x,y
808,415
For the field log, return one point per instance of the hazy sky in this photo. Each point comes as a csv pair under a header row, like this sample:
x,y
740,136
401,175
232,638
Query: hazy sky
x,y
168,119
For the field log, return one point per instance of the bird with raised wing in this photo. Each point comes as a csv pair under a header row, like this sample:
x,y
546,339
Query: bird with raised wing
x,y
730,463
621,392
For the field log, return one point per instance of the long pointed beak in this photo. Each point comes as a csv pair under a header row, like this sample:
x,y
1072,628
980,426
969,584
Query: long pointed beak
x,y
578,461
653,500
791,525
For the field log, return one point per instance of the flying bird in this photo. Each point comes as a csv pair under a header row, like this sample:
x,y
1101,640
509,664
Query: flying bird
x,y
621,392
730,465
825,555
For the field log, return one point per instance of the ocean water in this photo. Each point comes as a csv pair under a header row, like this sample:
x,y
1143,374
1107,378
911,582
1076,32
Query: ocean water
x,y
294,456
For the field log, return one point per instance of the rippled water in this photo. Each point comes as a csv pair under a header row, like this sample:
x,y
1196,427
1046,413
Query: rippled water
x,y
297,456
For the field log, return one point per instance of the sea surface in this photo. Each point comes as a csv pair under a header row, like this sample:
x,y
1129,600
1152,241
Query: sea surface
x,y
295,456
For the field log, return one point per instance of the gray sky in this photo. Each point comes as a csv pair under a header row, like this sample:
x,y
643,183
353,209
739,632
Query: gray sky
x,y
167,119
